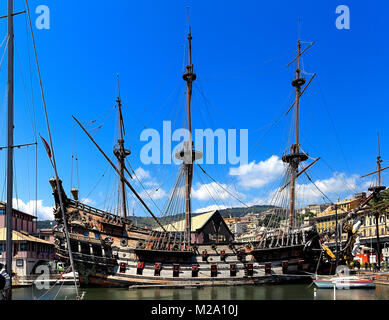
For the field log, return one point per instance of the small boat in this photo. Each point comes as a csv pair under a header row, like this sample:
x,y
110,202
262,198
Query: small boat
x,y
345,283
69,275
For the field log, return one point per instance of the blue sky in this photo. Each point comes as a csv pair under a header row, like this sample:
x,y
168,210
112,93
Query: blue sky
x,y
240,50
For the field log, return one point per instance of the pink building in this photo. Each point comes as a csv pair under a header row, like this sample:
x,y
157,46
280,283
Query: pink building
x,y
20,221
28,250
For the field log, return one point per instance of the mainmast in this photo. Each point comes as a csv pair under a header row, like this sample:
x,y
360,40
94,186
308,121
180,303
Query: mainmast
x,y
189,77
188,155
295,157
10,142
121,153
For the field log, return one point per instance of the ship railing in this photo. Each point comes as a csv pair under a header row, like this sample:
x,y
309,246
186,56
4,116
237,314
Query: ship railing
x,y
88,258
99,212
84,238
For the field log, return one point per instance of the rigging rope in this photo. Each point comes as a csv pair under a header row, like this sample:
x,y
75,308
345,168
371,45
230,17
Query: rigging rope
x,y
51,145
236,198
145,190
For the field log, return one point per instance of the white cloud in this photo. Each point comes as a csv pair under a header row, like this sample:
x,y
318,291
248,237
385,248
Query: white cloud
x,y
213,207
88,201
257,175
153,194
150,184
338,184
306,193
213,191
142,174
33,207
209,191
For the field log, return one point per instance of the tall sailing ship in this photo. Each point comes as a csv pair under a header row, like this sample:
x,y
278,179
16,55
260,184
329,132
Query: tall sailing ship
x,y
110,250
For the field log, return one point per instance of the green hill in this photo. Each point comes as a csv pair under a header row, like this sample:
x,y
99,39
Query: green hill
x,y
150,222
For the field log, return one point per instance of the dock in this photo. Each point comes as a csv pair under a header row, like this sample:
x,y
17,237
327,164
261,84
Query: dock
x,y
28,282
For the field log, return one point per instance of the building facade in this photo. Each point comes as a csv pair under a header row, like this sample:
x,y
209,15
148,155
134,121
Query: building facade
x,y
326,221
28,250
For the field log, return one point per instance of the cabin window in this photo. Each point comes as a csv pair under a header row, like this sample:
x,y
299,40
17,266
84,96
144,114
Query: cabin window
x,y
85,248
23,247
97,251
74,246
19,262
86,234
97,235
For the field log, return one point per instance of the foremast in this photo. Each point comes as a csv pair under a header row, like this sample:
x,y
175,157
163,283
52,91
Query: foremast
x,y
295,157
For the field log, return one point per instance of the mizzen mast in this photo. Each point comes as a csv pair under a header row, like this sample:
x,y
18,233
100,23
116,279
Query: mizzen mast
x,y
295,157
121,153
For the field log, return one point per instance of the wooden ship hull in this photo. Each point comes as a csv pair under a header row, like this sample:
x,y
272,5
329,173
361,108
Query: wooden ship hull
x,y
110,251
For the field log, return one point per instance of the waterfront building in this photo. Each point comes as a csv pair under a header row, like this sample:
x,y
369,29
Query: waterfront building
x,y
21,221
46,234
237,228
28,250
326,221
248,237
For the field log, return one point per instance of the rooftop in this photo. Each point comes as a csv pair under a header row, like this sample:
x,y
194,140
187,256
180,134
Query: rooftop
x,y
20,236
197,223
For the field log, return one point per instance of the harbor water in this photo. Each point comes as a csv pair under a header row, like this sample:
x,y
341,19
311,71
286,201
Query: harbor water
x,y
266,292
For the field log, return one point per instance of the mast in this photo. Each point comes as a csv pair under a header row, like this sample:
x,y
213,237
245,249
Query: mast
x,y
121,153
295,157
378,189
10,142
188,155
189,77
379,160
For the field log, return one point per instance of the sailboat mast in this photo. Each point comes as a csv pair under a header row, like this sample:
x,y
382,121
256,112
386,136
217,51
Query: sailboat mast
x,y
189,77
377,215
10,142
379,160
121,153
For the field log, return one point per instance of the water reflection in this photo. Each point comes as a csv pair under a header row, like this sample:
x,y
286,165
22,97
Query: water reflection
x,y
270,292
233,293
